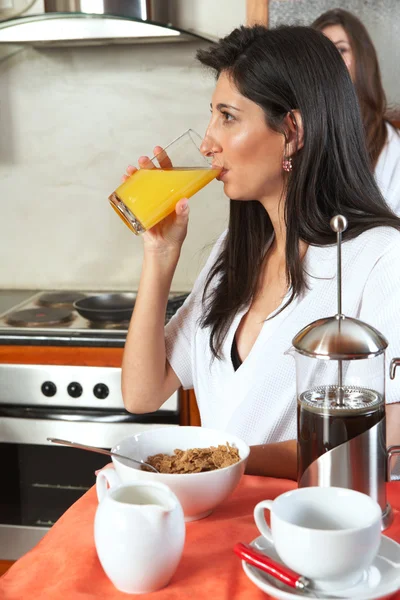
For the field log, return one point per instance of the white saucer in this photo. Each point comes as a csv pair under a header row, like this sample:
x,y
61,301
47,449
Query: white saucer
x,y
381,579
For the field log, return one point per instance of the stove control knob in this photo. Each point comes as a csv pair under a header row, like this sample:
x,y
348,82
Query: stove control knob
x,y
101,391
49,389
75,389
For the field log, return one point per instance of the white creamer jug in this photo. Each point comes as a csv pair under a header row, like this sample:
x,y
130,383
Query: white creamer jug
x,y
139,533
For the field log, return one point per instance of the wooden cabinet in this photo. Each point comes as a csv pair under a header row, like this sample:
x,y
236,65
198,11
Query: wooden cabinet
x,y
61,355
5,565
190,413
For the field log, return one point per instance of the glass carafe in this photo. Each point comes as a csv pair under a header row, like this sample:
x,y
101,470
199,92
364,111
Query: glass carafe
x,y
329,415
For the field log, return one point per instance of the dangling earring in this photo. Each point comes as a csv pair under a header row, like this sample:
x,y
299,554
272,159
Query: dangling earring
x,y
287,164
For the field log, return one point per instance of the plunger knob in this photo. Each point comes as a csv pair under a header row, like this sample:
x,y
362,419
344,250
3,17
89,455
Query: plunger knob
x,y
338,223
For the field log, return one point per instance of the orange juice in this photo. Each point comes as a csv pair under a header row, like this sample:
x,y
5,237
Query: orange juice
x,y
151,194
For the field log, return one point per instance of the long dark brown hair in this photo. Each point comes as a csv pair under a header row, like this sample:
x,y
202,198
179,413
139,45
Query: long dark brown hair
x,y
281,70
367,77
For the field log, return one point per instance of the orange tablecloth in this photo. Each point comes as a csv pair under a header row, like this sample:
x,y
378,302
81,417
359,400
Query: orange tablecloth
x,y
64,565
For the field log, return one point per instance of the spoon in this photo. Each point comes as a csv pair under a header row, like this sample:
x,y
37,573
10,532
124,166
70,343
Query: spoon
x,y
101,451
275,569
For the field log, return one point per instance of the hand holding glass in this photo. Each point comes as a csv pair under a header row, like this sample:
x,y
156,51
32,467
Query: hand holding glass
x,y
151,193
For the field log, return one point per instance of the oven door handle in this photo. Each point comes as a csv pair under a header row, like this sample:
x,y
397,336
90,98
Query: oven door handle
x,y
92,415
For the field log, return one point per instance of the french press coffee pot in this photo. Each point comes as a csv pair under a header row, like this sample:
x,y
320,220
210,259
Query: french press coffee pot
x,y
340,370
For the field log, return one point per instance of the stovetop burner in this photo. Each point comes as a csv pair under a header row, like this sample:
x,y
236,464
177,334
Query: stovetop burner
x,y
35,317
35,321
59,299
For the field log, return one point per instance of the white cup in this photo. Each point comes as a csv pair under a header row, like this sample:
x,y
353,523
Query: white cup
x,y
139,533
329,535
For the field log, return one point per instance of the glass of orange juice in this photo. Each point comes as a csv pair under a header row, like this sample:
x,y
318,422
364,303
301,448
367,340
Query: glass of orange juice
x,y
150,194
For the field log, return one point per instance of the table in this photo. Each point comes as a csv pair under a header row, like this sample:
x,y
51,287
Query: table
x,y
64,565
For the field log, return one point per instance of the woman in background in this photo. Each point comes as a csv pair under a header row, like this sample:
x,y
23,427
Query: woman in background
x,y
383,141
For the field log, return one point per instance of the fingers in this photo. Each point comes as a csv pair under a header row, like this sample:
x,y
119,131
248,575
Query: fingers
x,y
130,170
182,208
145,163
162,157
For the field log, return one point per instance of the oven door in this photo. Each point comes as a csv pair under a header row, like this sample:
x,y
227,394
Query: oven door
x,y
40,480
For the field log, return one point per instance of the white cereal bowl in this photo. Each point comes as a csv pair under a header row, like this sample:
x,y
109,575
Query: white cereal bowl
x,y
198,493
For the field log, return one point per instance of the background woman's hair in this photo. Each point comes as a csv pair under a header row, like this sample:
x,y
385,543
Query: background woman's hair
x,y
367,77
281,70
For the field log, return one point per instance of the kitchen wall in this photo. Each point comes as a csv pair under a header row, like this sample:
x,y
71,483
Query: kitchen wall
x,y
70,122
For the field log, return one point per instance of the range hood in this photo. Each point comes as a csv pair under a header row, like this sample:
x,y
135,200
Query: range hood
x,y
99,22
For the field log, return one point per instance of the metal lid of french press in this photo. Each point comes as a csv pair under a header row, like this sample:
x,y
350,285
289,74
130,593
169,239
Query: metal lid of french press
x,y
339,337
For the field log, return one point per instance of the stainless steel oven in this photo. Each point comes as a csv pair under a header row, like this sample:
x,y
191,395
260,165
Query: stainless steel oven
x,y
40,480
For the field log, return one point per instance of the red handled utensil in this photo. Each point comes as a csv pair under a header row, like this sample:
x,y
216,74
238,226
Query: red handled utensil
x,y
272,567
282,573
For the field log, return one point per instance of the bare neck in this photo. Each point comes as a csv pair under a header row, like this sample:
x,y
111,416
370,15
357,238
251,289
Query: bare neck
x,y
278,247
277,216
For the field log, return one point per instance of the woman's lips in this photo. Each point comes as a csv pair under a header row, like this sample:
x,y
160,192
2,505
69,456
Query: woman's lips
x,y
221,176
